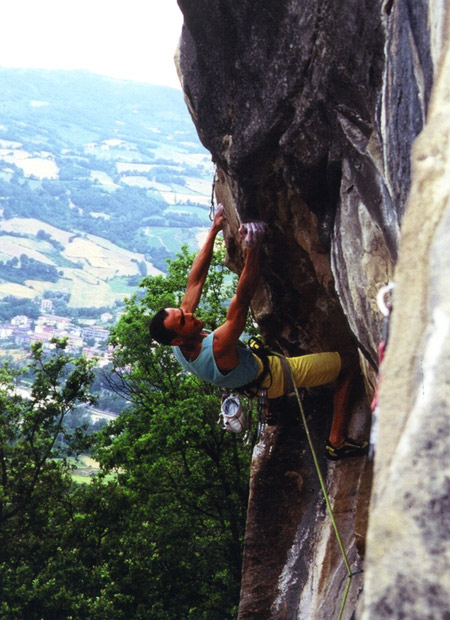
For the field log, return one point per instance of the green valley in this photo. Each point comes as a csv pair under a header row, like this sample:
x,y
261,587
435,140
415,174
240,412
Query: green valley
x,y
101,180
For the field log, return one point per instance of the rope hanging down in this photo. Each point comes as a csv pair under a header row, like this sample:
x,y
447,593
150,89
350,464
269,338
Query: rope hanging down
x,y
234,419
350,573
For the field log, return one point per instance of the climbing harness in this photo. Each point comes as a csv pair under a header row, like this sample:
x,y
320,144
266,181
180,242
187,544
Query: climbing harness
x,y
232,412
384,301
254,389
262,351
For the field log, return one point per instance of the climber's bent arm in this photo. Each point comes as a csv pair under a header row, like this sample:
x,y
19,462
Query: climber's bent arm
x,y
227,335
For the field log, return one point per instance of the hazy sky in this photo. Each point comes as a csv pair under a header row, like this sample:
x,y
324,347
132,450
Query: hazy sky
x,y
128,39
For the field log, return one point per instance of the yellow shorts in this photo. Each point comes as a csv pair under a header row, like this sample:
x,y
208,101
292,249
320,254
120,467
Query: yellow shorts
x,y
308,370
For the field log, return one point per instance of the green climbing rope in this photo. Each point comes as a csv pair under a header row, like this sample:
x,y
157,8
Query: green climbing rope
x,y
350,574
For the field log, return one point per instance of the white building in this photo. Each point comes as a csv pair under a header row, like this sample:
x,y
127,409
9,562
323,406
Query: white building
x,y
6,331
20,320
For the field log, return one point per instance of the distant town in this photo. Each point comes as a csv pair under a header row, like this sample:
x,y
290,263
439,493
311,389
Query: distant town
x,y
88,337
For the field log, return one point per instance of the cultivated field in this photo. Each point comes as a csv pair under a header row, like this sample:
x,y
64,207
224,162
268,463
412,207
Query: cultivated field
x,y
92,269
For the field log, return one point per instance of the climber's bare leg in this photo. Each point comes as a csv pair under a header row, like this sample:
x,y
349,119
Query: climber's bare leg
x,y
342,396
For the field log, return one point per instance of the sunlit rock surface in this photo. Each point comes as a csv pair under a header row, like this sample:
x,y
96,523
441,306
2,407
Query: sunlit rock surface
x,y
310,110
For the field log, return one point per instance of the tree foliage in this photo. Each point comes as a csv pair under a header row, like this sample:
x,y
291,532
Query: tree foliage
x,y
158,534
189,476
34,446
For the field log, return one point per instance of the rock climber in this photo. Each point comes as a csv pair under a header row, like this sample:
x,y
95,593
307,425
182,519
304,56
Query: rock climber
x,y
221,358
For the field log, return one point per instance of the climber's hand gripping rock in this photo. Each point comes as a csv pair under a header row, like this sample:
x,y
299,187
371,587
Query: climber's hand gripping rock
x,y
252,232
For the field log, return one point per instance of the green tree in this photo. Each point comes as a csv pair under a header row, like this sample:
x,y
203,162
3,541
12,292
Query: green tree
x,y
158,534
34,485
188,478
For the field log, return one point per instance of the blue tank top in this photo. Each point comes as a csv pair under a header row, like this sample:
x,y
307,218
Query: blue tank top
x,y
205,367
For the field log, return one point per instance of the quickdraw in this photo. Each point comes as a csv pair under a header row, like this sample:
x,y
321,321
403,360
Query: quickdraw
x,y
263,414
213,193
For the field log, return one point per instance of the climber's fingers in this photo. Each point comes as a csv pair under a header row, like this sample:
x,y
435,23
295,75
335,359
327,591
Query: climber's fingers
x,y
252,232
219,217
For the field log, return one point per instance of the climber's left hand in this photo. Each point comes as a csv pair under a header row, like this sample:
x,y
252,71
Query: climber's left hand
x,y
252,232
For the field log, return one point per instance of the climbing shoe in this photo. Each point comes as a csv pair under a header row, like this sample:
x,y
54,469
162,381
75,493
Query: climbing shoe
x,y
346,450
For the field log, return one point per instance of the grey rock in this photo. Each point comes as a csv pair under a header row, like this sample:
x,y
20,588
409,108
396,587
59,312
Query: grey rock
x,y
310,110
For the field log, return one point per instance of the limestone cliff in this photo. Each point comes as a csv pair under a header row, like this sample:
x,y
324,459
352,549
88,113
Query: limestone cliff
x,y
310,110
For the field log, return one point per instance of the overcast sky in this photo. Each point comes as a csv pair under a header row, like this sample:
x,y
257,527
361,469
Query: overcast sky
x,y
127,39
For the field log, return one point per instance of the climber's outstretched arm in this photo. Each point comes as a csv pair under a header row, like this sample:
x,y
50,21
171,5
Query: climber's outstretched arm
x,y
200,266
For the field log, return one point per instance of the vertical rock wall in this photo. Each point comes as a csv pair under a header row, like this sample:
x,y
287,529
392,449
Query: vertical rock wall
x,y
309,109
408,562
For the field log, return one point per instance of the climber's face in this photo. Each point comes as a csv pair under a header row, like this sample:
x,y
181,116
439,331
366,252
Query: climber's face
x,y
184,324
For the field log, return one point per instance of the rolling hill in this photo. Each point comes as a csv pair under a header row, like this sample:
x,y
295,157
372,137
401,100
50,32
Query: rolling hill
x,y
101,180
